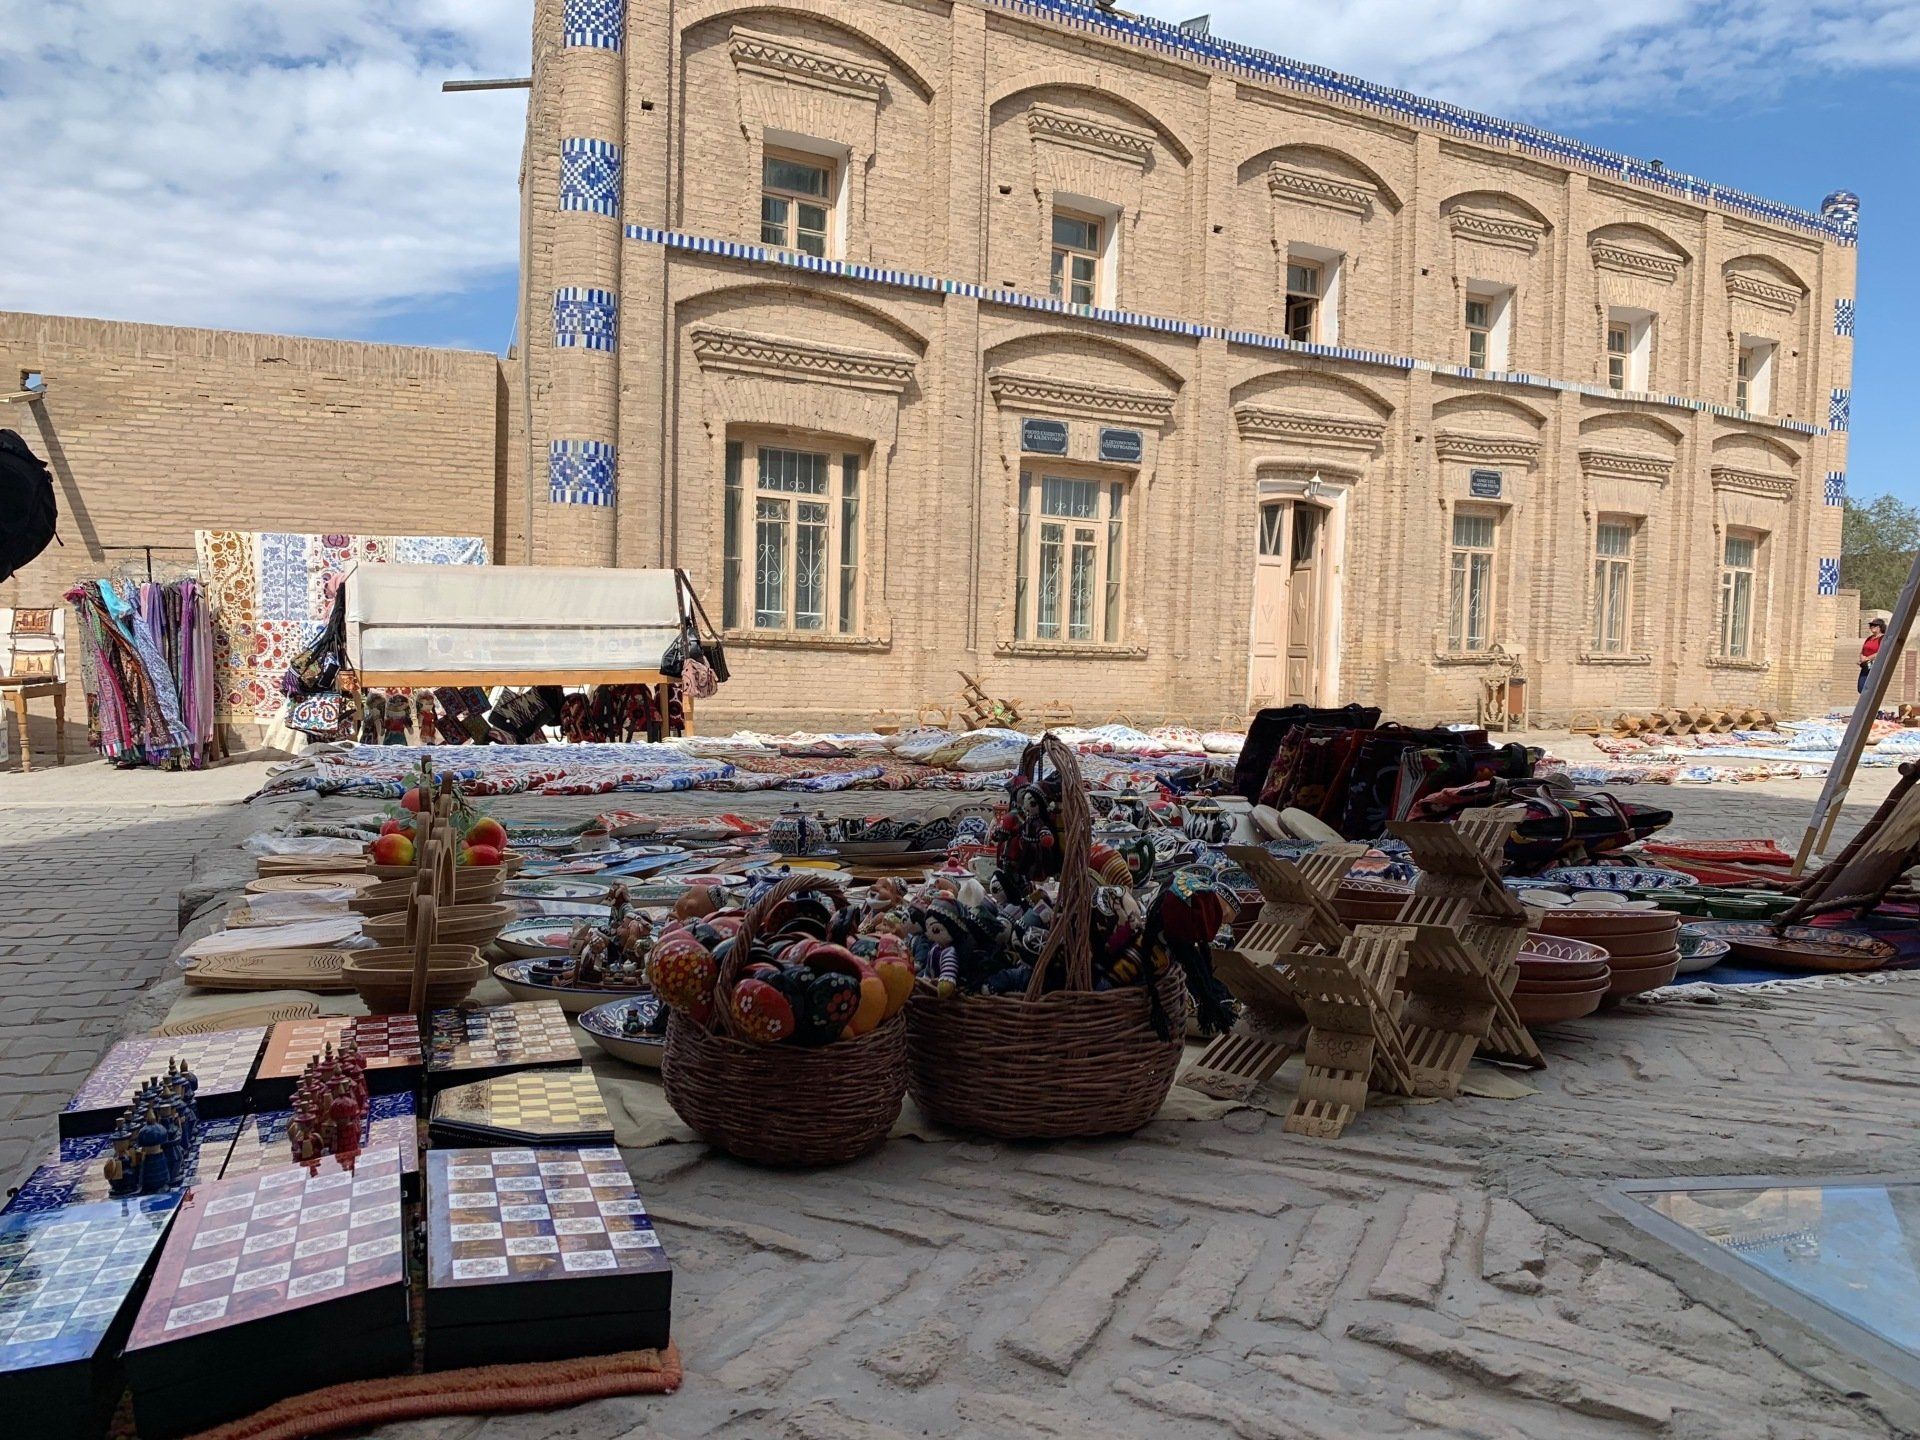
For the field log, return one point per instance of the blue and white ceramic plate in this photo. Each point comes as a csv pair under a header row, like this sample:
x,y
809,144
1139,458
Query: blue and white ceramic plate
x,y
517,979
573,887
605,1023
1798,947
1619,879
525,939
1698,953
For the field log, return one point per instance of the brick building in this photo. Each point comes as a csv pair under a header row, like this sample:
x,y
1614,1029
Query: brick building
x,y
1149,373
1157,375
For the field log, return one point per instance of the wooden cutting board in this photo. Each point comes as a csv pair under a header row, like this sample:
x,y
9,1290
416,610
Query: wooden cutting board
x,y
317,970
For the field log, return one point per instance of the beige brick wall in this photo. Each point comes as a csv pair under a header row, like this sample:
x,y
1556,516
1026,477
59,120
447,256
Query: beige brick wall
x,y
153,432
960,125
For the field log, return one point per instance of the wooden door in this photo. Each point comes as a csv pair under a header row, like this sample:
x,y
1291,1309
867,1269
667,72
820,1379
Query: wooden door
x,y
1268,671
1303,604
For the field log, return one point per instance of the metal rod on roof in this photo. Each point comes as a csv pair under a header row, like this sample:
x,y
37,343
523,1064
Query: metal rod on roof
x,y
449,87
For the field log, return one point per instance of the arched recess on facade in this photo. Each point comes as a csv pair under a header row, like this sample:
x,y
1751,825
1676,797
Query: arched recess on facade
x,y
871,35
755,364
1326,159
1640,236
1498,203
1765,267
1065,82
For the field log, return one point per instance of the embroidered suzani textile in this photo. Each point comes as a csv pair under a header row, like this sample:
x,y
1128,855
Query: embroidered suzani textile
x,y
271,592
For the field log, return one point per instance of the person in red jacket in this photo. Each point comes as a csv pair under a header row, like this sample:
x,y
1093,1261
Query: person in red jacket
x,y
1876,632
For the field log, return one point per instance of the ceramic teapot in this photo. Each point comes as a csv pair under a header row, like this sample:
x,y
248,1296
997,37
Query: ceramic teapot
x,y
794,832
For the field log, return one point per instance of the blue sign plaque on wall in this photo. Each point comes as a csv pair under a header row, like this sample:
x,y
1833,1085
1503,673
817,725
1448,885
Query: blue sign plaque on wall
x,y
1044,437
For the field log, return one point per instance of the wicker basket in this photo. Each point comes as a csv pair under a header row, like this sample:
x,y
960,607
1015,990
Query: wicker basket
x,y
1059,1064
783,1104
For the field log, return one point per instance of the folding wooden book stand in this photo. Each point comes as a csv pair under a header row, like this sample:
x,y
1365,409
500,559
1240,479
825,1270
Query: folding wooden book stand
x,y
1463,961
1353,1042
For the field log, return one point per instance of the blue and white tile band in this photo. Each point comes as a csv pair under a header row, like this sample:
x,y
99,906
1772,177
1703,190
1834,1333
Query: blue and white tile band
x,y
590,176
1836,487
582,472
1839,411
1829,582
1132,320
585,319
1843,317
1839,216
594,24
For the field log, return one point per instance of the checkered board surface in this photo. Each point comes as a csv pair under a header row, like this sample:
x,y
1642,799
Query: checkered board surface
x,y
76,1173
261,1143
498,1216
499,1037
534,1103
223,1062
261,1244
65,1274
386,1042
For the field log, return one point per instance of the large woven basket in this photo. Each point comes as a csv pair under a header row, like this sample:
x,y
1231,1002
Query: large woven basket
x,y
1046,1066
783,1104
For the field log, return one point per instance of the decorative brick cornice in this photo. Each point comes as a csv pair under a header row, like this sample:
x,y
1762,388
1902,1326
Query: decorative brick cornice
x,y
1783,298
784,59
1664,268
1289,183
1102,137
1497,449
1626,465
1496,230
1044,395
1346,432
737,350
1752,482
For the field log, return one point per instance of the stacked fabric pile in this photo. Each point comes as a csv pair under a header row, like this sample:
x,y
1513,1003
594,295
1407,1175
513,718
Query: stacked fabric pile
x,y
146,655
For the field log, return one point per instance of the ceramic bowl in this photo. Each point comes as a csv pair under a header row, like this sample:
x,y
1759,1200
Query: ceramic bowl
x,y
1722,907
1621,879
1569,985
1798,947
517,979
1556,1009
1637,963
558,887
1697,954
528,939
604,1024
1605,926
1633,982
1561,950
1627,949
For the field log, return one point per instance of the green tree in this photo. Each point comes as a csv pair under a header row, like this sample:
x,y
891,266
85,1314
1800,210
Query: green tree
x,y
1877,544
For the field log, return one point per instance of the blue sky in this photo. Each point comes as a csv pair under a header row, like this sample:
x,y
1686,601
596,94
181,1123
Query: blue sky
x,y
291,165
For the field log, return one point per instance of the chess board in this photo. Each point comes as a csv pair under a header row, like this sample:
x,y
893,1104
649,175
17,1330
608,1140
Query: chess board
x,y
278,1282
390,1045
528,1107
539,1254
75,1174
223,1061
66,1278
261,1143
474,1043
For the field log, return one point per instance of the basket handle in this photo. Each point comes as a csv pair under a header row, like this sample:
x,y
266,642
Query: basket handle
x,y
424,926
736,957
1071,930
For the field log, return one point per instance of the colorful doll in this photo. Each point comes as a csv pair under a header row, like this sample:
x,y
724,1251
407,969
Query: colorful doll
x,y
429,721
398,713
946,938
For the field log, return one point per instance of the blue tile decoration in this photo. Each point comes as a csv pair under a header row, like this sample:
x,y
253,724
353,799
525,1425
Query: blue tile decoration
x,y
1839,214
594,24
1839,411
582,472
1841,211
584,319
1829,576
1132,320
1843,316
1836,487
590,176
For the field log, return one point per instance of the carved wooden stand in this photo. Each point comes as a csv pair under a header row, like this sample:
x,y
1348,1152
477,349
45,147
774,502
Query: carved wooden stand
x,y
1463,962
1353,1043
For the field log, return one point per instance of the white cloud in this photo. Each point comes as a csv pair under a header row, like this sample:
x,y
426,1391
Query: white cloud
x,y
292,164
266,166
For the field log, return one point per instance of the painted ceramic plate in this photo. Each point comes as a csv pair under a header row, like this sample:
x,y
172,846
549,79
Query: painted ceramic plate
x,y
517,980
1621,879
1697,954
604,1023
524,939
1798,947
573,888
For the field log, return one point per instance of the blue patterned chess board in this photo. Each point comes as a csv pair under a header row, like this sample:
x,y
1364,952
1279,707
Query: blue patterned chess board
x,y
75,1175
222,1060
66,1274
262,1141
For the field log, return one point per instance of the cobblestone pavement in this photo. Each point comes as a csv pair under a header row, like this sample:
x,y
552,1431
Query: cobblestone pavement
x,y
1450,1269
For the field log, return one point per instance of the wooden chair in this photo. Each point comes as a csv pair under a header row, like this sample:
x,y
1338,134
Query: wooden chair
x,y
33,666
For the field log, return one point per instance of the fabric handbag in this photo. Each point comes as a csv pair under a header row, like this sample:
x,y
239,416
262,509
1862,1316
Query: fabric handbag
x,y
698,679
326,716
708,643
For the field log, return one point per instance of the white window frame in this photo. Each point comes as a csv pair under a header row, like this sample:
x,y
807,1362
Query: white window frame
x,y
1106,279
1614,578
747,486
1753,372
1109,533
1736,642
1498,328
823,154
1637,365
1462,574
1332,267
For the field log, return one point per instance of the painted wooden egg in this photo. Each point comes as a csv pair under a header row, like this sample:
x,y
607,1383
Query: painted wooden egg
x,y
763,1014
832,1000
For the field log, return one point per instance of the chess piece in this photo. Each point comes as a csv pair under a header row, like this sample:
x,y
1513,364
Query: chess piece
x,y
152,1137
